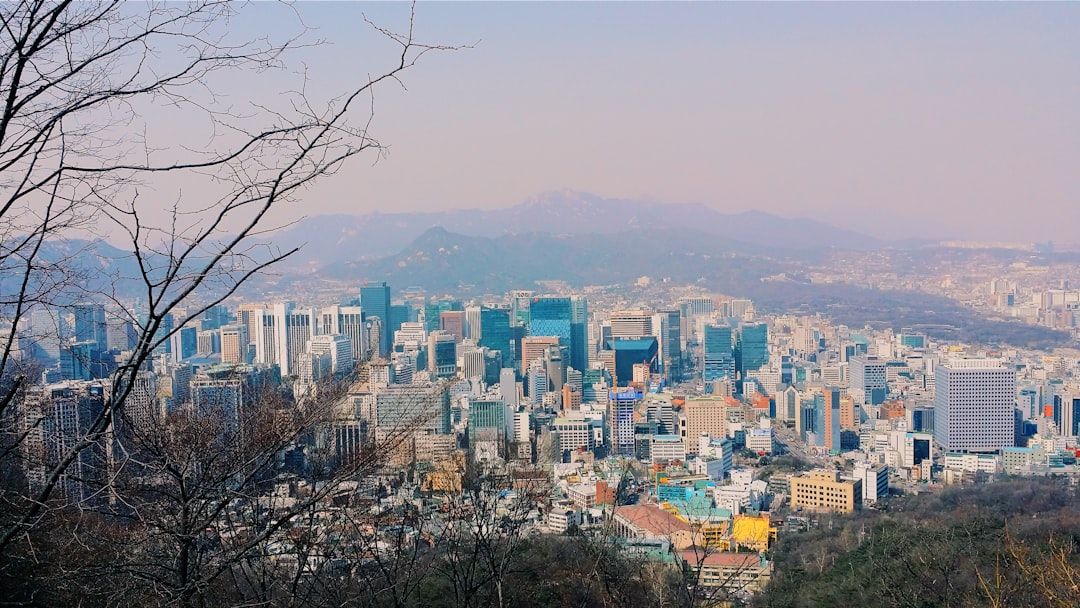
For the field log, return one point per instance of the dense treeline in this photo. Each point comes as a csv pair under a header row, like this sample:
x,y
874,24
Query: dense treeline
x,y
1010,543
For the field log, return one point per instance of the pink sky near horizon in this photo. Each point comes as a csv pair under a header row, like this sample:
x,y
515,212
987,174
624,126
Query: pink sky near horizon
x,y
962,115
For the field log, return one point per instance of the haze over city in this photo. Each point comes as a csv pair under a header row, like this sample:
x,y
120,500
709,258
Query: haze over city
x,y
944,119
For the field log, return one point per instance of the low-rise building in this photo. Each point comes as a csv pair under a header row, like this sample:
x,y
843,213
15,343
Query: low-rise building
x,y
824,490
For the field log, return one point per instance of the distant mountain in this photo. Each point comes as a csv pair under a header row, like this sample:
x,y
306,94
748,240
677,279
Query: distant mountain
x,y
332,239
440,260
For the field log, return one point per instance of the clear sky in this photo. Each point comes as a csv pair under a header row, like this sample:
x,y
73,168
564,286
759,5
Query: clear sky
x,y
964,118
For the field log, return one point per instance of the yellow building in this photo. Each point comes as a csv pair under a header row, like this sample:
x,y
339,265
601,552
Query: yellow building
x,y
753,533
824,490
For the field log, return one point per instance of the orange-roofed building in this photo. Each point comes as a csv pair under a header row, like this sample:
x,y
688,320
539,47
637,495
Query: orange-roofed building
x,y
652,522
891,410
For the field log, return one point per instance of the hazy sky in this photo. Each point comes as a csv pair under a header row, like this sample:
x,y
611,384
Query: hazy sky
x,y
962,116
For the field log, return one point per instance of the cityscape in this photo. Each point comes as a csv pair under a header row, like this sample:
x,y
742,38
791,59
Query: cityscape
x,y
836,362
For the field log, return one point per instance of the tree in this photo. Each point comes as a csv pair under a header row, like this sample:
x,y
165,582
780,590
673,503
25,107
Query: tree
x,y
82,156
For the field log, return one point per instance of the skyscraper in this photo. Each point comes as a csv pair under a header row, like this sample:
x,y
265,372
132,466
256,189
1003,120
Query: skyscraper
x,y
294,327
974,401
90,324
375,302
752,347
564,318
866,376
719,358
347,321
495,331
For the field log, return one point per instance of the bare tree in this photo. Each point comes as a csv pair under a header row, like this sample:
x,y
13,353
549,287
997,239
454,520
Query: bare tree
x,y
79,156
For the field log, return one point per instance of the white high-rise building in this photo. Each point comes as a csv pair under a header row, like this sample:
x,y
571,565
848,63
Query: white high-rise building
x,y
347,321
265,335
294,327
973,405
338,347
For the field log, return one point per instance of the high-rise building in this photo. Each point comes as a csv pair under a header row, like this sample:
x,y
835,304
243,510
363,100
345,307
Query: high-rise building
x,y
671,345
832,415
631,323
347,321
90,324
413,408
752,347
704,416
473,324
442,354
867,379
337,347
295,326
453,321
234,340
265,337
534,347
185,343
1067,414
375,302
495,334
974,401
564,318
719,356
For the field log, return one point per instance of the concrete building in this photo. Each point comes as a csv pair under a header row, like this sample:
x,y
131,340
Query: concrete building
x,y
824,490
973,405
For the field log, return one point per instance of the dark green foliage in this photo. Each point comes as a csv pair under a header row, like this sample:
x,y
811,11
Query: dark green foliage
x,y
966,546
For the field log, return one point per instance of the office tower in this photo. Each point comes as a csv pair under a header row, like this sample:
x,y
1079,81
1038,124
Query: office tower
x,y
54,419
215,317
294,327
414,408
508,386
49,330
337,347
442,354
90,324
453,321
347,321
494,329
265,337
373,337
487,421
411,338
431,316
185,343
866,376
740,308
399,313
78,361
704,416
752,347
832,415
403,366
974,401
119,332
672,344
850,413
226,390
248,315
233,343
520,301
536,381
579,332
208,342
620,421
473,324
1067,414
534,347
719,356
786,401
375,301
696,305
629,352
472,360
631,323
565,318
554,365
